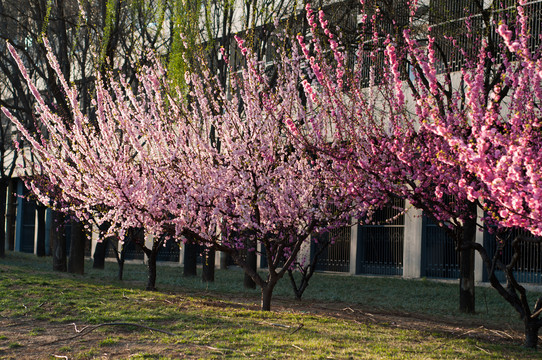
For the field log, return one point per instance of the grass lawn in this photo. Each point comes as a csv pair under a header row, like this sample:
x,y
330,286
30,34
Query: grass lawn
x,y
50,315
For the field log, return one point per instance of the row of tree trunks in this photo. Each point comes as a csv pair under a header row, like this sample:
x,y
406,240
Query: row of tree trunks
x,y
57,236
75,262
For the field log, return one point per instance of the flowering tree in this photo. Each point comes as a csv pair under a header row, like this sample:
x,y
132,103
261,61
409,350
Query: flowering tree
x,y
147,161
497,139
263,186
375,131
433,133
91,168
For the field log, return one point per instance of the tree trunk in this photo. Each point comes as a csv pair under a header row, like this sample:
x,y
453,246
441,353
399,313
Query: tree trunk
x,y
531,333
40,247
267,292
251,261
466,265
121,269
58,241
208,272
298,290
151,283
10,215
99,254
76,261
3,199
190,259
466,281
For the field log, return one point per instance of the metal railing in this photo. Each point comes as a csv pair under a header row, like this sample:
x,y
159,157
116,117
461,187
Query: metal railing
x,y
380,244
529,267
440,259
336,257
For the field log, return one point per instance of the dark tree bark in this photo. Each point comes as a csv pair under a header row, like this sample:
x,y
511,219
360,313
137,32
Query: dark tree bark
x,y
120,256
151,283
532,327
58,241
208,272
152,255
190,259
466,266
99,254
252,262
40,246
466,281
120,262
76,261
267,293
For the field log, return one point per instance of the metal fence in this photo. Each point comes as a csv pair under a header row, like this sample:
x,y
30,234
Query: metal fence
x,y
380,244
170,251
440,259
529,267
27,218
336,257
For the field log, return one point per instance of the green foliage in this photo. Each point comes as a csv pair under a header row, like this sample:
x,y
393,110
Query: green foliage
x,y
45,23
110,19
186,40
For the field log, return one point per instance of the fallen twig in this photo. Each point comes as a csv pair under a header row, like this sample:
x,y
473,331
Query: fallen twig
x,y
94,327
484,350
297,329
219,350
468,332
297,347
76,330
501,333
60,356
208,333
275,324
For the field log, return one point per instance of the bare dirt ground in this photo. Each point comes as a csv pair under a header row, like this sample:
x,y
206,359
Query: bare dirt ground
x,y
20,340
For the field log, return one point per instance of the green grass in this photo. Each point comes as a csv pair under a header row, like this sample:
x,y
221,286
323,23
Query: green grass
x,y
109,342
37,331
208,327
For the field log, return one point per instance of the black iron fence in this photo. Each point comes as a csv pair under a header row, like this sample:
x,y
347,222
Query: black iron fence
x,y
440,259
529,266
380,243
336,255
